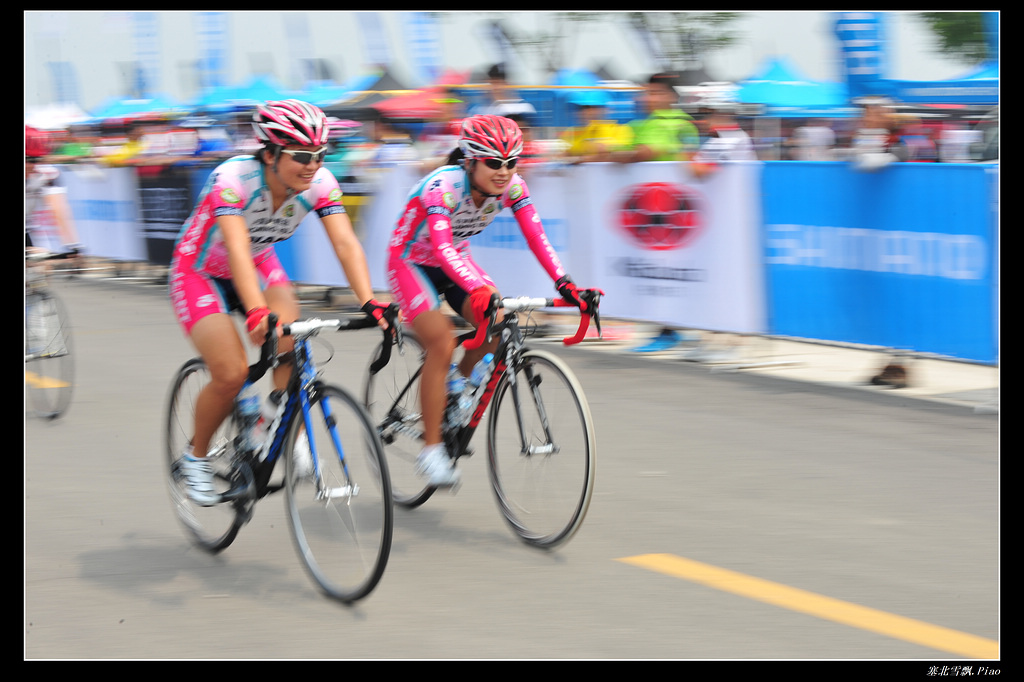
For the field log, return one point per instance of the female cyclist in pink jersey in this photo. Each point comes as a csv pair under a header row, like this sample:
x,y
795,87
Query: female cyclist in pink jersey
x,y
224,259
429,256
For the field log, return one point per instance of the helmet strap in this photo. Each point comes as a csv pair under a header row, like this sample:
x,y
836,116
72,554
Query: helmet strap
x,y
273,168
472,186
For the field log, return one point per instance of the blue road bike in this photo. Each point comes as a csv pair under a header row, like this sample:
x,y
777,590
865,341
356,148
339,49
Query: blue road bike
x,y
339,509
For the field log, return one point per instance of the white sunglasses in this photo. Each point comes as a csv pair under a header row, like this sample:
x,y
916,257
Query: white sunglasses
x,y
303,157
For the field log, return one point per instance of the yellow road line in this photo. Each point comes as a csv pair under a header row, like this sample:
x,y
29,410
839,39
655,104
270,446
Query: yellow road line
x,y
862,617
40,381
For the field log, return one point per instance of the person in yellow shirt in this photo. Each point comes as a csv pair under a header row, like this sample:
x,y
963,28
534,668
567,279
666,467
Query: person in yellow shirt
x,y
129,152
597,137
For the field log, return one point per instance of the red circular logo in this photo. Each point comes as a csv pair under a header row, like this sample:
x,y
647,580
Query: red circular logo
x,y
661,216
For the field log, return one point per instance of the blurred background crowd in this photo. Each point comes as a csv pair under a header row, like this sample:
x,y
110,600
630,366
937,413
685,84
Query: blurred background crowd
x,y
387,116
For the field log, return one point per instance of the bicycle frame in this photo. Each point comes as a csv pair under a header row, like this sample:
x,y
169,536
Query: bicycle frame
x,y
299,396
510,346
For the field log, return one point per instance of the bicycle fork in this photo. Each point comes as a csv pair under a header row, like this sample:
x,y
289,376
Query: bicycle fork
x,y
526,448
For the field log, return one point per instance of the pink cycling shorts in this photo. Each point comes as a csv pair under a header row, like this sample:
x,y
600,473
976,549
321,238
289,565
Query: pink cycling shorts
x,y
195,295
418,288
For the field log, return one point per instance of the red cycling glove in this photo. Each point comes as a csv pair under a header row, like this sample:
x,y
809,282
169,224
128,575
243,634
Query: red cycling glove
x,y
480,303
374,309
255,316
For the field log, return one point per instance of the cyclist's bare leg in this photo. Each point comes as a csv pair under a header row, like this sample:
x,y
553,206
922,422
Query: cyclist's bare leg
x,y
434,330
281,299
217,340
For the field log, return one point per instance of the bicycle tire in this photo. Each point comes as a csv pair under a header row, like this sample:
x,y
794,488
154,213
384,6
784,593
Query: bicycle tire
x,y
543,496
340,511
399,422
211,528
49,359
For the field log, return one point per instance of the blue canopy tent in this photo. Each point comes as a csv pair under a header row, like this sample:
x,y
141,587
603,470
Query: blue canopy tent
x,y
118,108
256,90
784,92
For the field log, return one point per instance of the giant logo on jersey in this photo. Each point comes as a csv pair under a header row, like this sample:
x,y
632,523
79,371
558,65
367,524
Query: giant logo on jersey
x,y
661,216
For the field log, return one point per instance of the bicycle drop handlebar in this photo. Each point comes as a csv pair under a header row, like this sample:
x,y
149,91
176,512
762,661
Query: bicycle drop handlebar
x,y
306,328
592,297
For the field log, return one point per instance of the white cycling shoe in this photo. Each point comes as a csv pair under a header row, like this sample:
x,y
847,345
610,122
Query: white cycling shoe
x,y
437,467
199,480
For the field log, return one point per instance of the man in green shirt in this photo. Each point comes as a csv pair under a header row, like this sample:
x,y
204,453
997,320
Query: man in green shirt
x,y
666,134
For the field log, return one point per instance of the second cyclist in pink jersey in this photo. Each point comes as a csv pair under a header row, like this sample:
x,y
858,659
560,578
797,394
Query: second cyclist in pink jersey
x,y
429,256
224,260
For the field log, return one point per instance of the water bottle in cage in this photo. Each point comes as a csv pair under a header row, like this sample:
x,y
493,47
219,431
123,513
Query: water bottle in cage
x,y
456,384
248,405
479,374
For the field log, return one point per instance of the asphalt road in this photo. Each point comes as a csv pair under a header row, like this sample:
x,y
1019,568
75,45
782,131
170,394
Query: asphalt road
x,y
735,517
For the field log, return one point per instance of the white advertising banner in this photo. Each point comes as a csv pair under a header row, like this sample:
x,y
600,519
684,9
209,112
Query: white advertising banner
x,y
670,249
105,209
663,246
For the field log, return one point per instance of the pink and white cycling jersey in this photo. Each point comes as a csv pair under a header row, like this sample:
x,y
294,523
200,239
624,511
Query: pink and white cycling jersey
x,y
236,187
440,216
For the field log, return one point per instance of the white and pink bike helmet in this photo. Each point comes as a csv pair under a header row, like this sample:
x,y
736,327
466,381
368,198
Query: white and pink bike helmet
x,y
290,122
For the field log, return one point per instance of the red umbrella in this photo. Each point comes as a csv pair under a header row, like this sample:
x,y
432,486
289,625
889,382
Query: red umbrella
x,y
422,105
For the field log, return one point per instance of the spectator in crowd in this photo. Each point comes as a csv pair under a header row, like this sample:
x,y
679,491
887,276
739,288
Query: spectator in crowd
x,y
211,139
917,139
667,134
45,193
127,152
815,141
726,140
535,150
394,144
441,135
77,145
875,143
596,137
500,99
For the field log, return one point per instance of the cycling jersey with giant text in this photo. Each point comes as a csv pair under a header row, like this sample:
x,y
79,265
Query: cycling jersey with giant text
x,y
236,187
440,215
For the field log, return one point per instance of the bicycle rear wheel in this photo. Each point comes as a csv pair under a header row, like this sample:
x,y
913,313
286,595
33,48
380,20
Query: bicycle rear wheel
x,y
49,363
392,398
212,528
340,511
540,450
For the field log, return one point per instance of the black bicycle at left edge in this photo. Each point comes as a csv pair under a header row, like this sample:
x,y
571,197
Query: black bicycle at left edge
x,y
337,487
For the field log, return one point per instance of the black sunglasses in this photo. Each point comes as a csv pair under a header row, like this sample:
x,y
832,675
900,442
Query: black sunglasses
x,y
495,164
303,157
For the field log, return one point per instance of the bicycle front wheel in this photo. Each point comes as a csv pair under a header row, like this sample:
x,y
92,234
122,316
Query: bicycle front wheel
x,y
392,398
540,450
338,495
211,528
49,364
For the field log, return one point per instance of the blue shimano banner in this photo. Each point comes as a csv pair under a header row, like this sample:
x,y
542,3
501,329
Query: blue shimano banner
x,y
901,258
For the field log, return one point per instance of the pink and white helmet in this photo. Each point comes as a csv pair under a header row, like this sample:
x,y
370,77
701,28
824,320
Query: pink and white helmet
x,y
484,137
290,122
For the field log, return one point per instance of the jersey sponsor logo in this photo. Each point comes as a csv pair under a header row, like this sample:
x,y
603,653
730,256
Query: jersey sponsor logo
x,y
331,210
335,195
289,211
442,225
206,300
521,204
449,200
661,216
515,192
229,195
